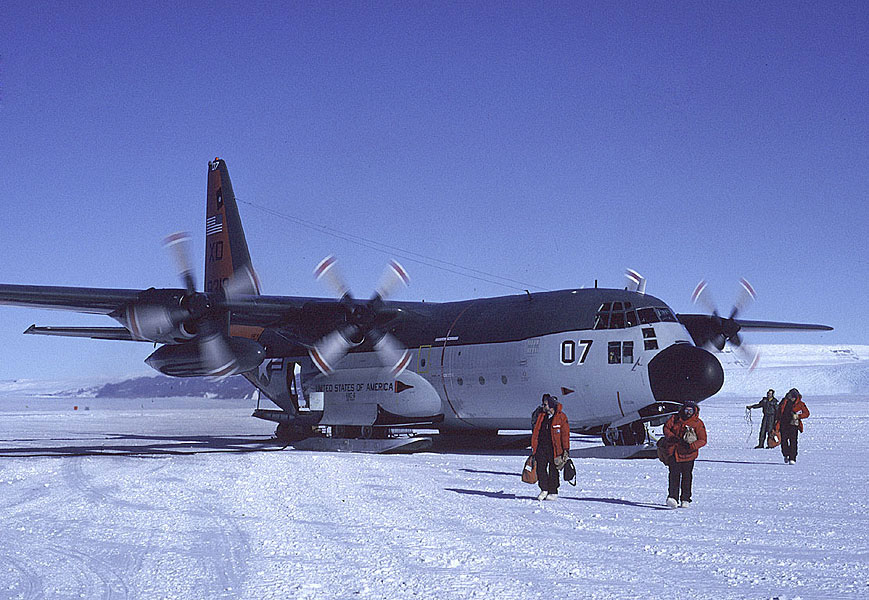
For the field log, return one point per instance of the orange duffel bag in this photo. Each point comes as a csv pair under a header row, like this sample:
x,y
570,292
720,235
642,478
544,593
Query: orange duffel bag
x,y
529,471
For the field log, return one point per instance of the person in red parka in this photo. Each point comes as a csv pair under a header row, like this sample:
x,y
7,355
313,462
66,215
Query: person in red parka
x,y
789,423
550,439
685,434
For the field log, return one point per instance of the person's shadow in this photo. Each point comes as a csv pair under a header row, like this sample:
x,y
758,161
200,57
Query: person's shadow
x,y
502,495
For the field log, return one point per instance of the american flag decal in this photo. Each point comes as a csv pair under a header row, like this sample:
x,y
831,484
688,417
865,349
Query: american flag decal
x,y
213,225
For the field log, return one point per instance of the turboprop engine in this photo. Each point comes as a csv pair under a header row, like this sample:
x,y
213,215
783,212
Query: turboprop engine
x,y
192,360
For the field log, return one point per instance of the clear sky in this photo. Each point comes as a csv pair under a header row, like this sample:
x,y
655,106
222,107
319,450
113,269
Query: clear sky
x,y
551,144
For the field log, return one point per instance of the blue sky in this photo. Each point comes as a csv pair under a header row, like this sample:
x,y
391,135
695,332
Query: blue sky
x,y
551,144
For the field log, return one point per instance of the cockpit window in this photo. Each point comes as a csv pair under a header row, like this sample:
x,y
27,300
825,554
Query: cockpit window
x,y
666,315
647,316
618,315
602,320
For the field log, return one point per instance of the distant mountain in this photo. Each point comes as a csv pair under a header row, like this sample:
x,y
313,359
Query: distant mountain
x,y
236,387
171,387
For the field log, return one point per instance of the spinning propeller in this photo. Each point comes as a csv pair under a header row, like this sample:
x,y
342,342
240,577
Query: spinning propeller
x,y
202,318
367,321
726,329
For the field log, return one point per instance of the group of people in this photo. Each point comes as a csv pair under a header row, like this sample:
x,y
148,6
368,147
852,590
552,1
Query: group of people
x,y
684,435
782,422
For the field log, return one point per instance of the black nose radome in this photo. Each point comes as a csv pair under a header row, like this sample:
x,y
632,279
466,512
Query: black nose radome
x,y
683,372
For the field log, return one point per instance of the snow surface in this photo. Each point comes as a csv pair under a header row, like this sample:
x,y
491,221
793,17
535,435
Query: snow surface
x,y
190,498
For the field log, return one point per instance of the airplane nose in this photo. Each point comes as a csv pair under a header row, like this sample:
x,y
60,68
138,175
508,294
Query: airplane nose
x,y
683,372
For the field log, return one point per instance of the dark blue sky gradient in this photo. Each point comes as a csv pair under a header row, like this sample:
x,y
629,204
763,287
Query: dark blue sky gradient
x,y
551,144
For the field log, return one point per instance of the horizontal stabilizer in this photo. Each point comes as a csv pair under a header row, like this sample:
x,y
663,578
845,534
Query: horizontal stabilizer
x,y
96,333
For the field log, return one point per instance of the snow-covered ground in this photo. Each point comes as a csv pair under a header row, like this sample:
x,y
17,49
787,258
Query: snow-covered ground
x,y
188,499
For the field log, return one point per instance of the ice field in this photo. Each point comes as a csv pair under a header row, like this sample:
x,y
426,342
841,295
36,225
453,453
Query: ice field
x,y
189,499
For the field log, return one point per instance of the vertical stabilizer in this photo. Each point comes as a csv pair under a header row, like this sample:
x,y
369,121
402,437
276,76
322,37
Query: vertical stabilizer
x,y
227,260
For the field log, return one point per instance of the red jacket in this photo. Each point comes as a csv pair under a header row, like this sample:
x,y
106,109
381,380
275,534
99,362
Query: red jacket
x,y
675,429
798,407
560,432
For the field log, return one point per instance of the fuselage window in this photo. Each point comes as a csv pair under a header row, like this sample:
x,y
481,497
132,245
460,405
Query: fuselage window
x,y
650,344
615,353
628,353
648,332
568,352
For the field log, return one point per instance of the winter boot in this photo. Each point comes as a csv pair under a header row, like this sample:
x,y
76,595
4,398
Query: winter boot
x,y
551,496
686,504
672,502
542,495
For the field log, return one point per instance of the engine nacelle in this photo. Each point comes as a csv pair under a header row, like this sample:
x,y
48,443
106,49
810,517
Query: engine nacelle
x,y
158,316
185,360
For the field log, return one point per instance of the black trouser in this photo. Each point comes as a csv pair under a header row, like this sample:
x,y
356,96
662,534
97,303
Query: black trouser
x,y
789,436
681,477
766,428
547,473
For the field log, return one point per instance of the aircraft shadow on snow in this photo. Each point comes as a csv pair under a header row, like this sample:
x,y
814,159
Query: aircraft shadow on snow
x,y
124,444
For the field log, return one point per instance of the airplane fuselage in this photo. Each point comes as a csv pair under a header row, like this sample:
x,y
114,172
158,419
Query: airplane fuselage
x,y
485,363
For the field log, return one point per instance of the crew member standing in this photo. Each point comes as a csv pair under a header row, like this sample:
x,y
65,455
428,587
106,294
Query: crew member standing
x,y
550,439
686,434
789,423
769,404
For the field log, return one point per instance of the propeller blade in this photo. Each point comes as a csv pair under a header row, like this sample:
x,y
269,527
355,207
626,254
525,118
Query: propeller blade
x,y
244,282
393,277
749,355
327,352
327,269
701,296
219,359
178,245
392,354
747,295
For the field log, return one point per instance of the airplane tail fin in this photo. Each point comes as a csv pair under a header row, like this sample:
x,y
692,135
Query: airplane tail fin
x,y
227,260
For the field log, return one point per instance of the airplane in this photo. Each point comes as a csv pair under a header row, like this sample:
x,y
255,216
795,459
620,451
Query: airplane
x,y
617,359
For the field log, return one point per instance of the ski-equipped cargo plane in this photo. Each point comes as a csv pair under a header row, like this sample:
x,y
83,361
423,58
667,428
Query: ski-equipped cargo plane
x,y
616,358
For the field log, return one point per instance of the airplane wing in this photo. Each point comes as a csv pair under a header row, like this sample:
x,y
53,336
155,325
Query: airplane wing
x,y
778,326
245,310
716,329
94,333
694,320
102,301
